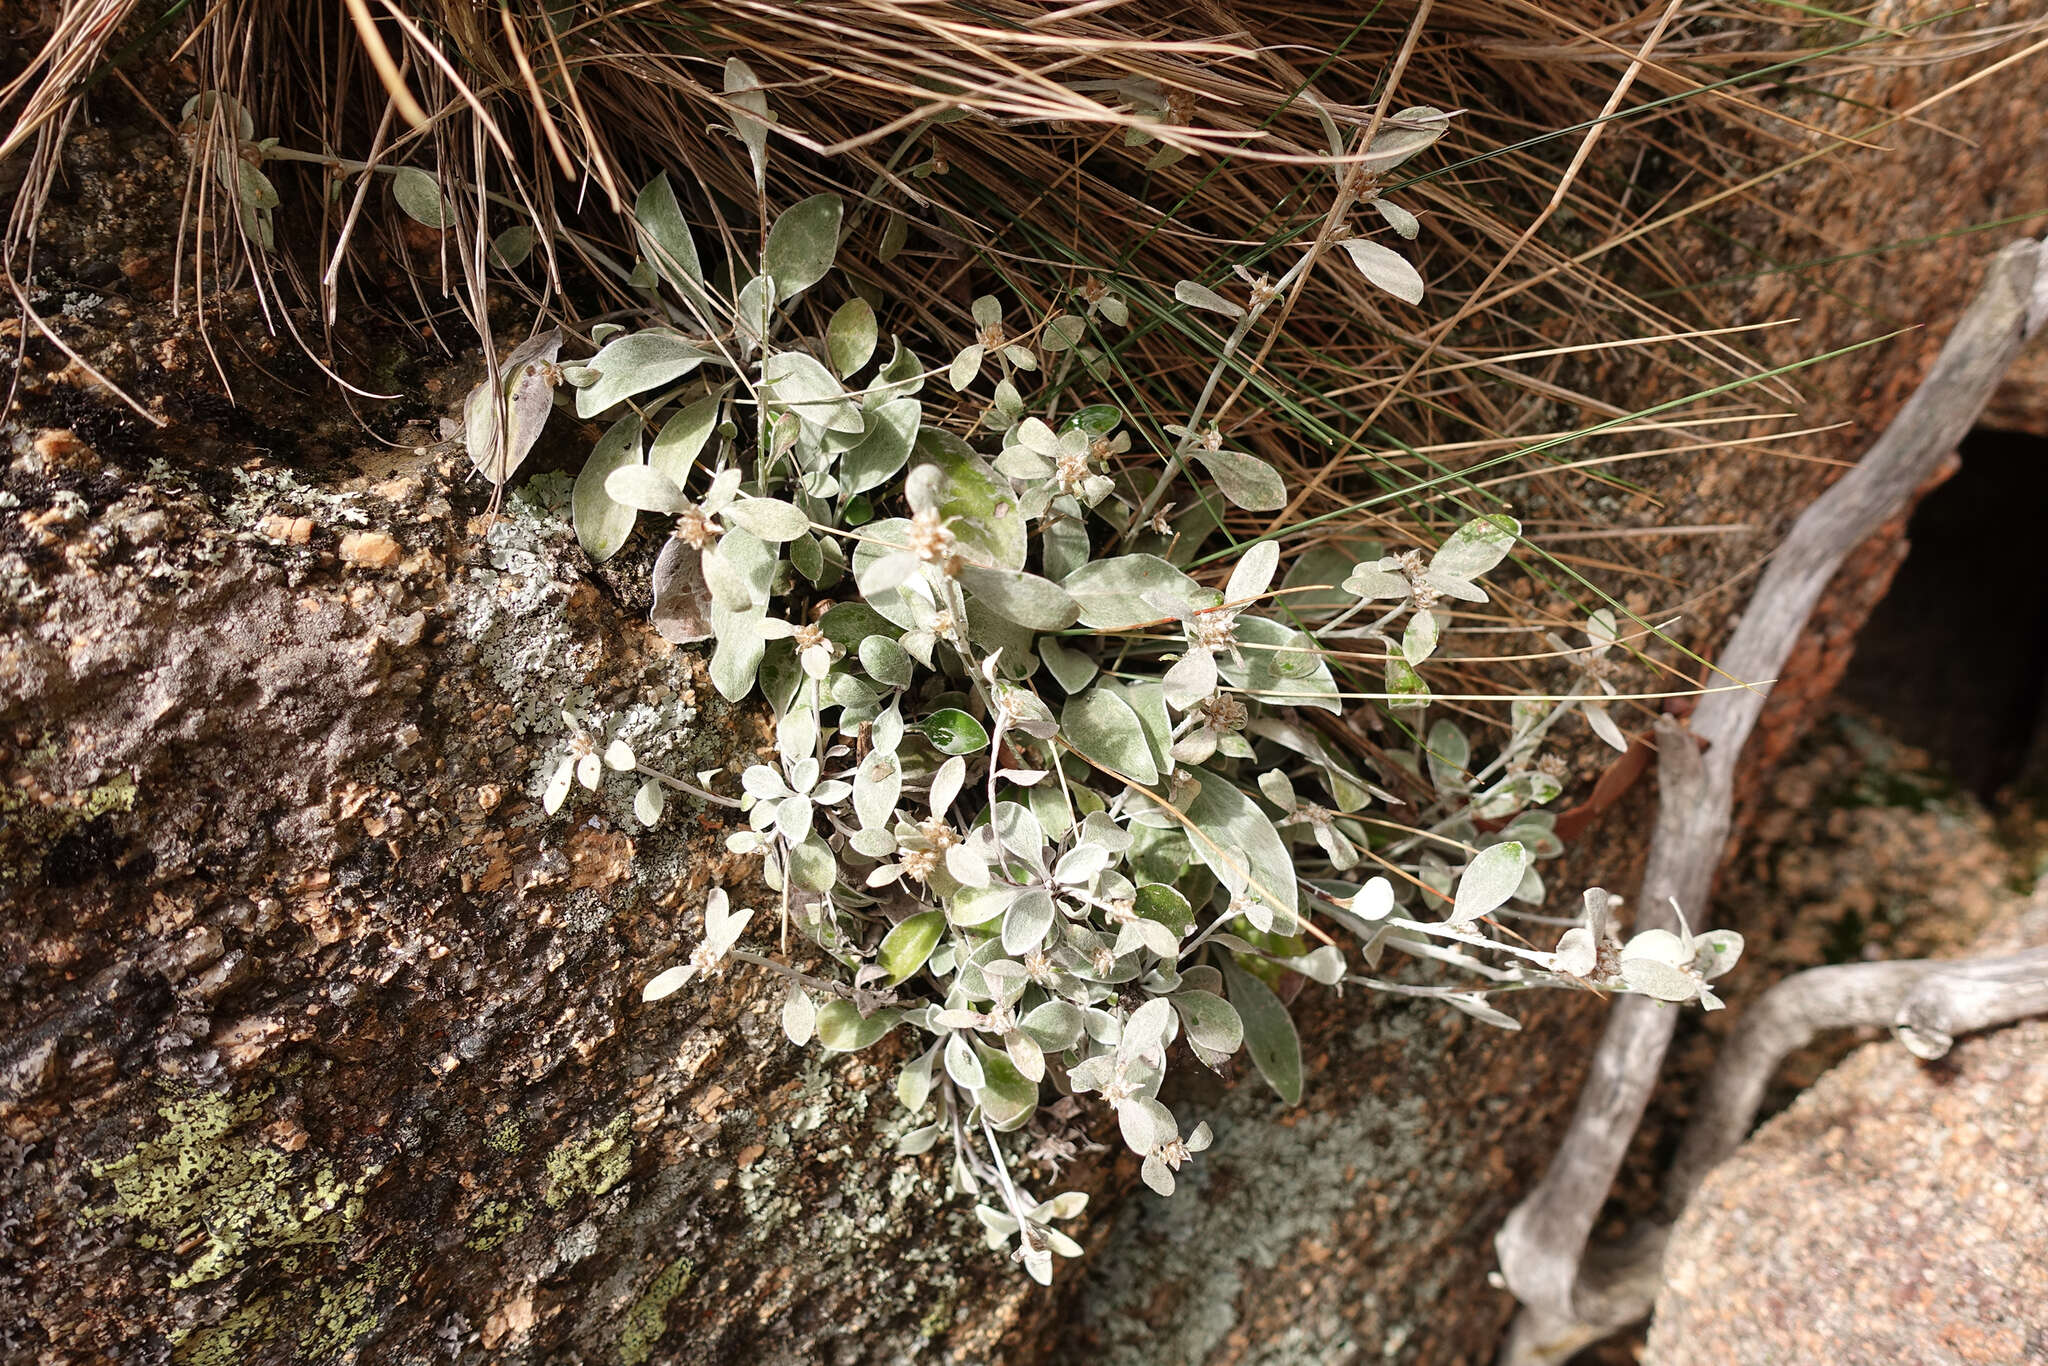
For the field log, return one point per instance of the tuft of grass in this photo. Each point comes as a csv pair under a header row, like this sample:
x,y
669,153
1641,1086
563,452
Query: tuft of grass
x,y
1041,151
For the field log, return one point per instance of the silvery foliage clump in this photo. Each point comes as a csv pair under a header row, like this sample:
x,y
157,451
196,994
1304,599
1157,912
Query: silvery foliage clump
x,y
1043,798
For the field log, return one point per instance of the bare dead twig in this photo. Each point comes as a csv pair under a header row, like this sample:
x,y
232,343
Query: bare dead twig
x,y
1925,1002
1543,1243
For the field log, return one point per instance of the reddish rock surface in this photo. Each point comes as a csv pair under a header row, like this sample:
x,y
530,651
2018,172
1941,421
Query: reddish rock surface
x,y
1897,1212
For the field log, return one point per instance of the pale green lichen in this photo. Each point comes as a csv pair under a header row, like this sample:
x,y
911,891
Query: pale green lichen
x,y
648,1317
512,610
239,1197
1271,1181
590,1166
265,491
513,613
870,1195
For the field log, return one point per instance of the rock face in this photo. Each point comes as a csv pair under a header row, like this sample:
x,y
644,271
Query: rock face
x,y
1896,1212
319,1039
2021,402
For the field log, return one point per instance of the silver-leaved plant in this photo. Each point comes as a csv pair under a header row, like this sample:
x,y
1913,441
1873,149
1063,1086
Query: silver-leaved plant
x,y
1045,794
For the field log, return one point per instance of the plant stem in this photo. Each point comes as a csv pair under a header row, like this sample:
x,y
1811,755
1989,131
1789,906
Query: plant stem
x,y
1187,442
671,780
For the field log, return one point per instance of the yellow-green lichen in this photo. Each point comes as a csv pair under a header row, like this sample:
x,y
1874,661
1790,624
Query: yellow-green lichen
x,y
648,1316
507,1136
593,1166
938,1318
32,825
323,1323
494,1222
240,1198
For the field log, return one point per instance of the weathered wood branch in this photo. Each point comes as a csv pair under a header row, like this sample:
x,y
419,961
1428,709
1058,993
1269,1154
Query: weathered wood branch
x,y
1925,1002
1543,1242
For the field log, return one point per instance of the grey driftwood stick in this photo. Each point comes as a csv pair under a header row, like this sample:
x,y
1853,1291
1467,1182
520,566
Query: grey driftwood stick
x,y
1543,1241
1925,1002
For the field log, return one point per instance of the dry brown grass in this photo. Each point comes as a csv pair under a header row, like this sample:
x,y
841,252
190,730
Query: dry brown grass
x,y
1537,245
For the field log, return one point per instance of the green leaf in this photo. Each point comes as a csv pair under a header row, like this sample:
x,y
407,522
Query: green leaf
x,y
1160,856
1235,838
1450,754
751,312
510,248
1197,295
255,188
842,1030
906,947
972,906
1281,666
968,490
802,244
743,91
1007,1096
207,103
885,449
953,731
648,802
1328,564
529,398
1418,642
744,567
602,523
1395,143
419,194
1112,594
1063,332
665,237
1103,727
1210,1020
1489,880
846,624
1405,689
799,1015
1398,218
1149,701
1386,268
1025,924
1245,480
900,378
1472,550
1268,1031
1160,902
879,541
803,385
741,646
645,489
1071,669
769,518
1024,598
1097,419
886,661
914,1082
1057,1025
682,439
635,363
894,235
850,336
